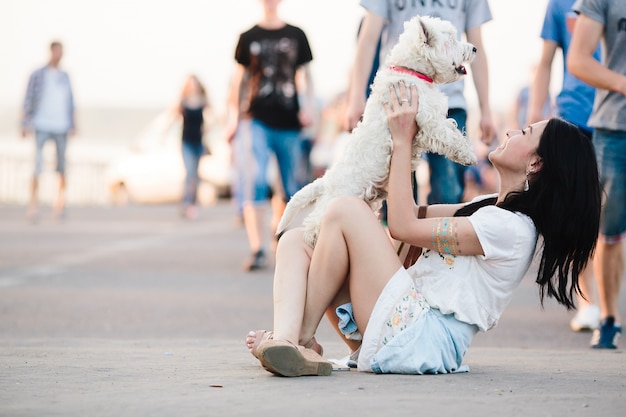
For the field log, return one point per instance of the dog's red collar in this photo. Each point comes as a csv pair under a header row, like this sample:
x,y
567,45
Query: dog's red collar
x,y
411,72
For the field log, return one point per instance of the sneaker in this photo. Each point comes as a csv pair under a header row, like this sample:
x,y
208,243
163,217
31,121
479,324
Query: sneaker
x,y
606,336
353,359
347,362
256,261
586,319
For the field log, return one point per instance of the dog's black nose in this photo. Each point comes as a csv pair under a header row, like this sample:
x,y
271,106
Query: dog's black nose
x,y
474,49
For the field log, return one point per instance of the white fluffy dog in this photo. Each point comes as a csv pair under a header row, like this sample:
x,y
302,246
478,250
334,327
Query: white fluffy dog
x,y
427,53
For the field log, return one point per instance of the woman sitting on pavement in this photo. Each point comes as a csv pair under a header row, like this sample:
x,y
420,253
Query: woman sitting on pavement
x,y
422,319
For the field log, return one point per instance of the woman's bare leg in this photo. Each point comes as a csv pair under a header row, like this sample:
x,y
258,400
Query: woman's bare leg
x,y
307,282
609,271
293,257
352,243
586,280
331,314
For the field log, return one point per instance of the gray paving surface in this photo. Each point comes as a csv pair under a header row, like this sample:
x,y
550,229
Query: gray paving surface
x,y
133,311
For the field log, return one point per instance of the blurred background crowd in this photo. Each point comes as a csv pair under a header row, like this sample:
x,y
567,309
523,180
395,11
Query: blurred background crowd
x,y
129,60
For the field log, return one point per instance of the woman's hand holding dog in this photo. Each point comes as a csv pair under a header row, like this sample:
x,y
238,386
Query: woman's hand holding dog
x,y
401,110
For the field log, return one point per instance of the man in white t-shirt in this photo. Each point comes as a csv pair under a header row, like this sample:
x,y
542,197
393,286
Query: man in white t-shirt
x,y
49,112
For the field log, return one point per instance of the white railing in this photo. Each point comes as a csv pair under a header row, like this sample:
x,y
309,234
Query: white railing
x,y
85,173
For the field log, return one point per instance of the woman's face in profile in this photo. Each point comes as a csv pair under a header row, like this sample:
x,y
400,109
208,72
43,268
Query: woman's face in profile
x,y
518,148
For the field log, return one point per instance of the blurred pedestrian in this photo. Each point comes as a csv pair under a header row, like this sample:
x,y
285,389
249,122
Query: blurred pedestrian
x,y
386,18
48,110
606,20
573,103
518,114
192,107
268,118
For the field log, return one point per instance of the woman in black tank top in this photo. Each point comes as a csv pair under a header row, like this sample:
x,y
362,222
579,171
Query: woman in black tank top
x,y
192,106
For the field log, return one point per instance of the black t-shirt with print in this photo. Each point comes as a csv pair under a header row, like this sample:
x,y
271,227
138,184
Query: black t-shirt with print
x,y
271,58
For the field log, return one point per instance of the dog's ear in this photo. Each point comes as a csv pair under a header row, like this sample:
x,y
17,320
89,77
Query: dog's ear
x,y
427,38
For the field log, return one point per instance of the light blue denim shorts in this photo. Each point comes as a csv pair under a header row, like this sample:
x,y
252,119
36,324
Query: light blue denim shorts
x,y
60,141
432,343
610,149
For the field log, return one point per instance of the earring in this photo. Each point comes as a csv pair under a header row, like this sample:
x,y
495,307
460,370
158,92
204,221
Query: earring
x,y
526,185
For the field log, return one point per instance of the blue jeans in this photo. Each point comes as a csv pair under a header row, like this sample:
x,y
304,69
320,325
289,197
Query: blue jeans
x,y
191,158
253,145
610,149
447,178
60,140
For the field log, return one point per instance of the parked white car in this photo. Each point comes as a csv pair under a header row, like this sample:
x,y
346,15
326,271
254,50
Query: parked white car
x,y
151,170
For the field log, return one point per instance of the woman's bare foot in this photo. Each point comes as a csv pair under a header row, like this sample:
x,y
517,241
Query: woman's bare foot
x,y
255,337
313,345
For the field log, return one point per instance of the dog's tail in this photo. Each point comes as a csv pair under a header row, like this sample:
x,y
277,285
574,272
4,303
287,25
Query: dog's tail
x,y
305,196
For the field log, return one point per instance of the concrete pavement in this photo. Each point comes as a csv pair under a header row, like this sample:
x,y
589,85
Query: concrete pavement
x,y
124,311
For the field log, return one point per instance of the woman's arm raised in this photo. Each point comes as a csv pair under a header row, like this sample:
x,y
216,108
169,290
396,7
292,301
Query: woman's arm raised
x,y
451,235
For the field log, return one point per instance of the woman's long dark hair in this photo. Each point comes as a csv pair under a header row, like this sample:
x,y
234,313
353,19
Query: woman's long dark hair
x,y
563,200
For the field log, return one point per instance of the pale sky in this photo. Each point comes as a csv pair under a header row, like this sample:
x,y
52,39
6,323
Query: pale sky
x,y
137,52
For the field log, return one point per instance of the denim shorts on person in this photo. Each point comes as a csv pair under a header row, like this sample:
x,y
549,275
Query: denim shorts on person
x,y
253,145
610,149
435,344
60,141
429,342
